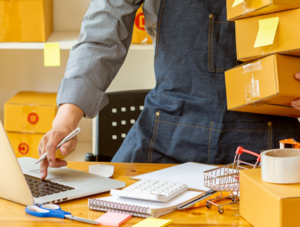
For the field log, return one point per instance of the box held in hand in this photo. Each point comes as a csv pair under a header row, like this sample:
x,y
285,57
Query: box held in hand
x,y
265,86
268,34
237,9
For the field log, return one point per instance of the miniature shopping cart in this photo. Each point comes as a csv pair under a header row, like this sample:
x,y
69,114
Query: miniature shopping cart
x,y
226,179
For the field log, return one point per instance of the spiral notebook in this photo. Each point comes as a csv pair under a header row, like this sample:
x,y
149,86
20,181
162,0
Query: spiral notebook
x,y
140,208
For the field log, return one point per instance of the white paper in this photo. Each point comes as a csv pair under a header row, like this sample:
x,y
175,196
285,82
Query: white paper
x,y
102,170
188,173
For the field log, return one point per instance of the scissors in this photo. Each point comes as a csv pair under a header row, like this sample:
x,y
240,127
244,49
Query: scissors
x,y
52,210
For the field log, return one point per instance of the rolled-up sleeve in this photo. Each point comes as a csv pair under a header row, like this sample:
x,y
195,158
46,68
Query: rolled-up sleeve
x,y
94,61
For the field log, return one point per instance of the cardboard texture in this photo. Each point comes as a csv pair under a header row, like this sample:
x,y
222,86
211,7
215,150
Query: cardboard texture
x,y
264,204
139,34
265,86
26,20
30,112
26,144
237,9
286,40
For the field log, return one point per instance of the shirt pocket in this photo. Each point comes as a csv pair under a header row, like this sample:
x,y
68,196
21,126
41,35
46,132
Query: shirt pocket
x,y
221,45
179,139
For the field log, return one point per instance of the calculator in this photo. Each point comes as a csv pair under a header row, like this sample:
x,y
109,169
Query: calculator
x,y
159,191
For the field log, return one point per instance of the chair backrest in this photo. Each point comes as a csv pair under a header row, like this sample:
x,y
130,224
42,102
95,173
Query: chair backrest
x,y
115,120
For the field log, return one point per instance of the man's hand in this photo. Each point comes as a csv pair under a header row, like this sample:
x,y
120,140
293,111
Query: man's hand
x,y
65,122
296,103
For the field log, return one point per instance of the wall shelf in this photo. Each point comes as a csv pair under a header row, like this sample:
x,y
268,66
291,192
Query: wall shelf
x,y
66,39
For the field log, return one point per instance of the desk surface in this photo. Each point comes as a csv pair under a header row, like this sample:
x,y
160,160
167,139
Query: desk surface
x,y
12,214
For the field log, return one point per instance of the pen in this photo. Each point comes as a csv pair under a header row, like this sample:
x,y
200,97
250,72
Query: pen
x,y
66,139
196,202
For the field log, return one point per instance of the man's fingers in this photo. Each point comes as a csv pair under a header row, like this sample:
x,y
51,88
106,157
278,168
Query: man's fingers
x,y
297,76
296,104
60,163
44,168
52,143
67,147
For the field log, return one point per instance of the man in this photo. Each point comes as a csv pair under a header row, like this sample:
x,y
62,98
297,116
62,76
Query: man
x,y
185,116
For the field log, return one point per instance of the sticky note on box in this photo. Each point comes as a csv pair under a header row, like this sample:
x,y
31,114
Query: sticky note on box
x,y
236,2
266,32
153,222
113,219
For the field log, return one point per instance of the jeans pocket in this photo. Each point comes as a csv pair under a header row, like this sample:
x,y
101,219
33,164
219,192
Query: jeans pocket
x,y
221,45
226,137
179,139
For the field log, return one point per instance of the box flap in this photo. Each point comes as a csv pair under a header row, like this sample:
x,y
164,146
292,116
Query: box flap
x,y
31,98
281,191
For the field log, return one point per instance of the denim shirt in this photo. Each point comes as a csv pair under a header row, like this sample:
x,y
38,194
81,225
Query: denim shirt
x,y
102,46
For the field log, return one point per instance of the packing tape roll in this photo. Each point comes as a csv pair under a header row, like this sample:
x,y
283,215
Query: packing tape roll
x,y
281,166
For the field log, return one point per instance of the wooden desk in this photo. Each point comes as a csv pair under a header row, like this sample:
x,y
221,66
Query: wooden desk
x,y
12,214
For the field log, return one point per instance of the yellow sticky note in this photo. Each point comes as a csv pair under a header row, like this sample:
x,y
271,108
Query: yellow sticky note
x,y
153,222
236,2
51,54
266,32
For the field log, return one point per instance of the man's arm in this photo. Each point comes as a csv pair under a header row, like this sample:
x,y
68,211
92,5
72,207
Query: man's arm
x,y
94,61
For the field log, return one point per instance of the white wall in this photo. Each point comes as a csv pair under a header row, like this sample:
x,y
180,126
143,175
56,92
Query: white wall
x,y
24,69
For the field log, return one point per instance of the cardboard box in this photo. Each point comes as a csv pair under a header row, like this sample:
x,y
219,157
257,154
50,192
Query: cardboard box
x,y
250,8
30,112
139,35
264,204
26,20
286,40
265,86
26,144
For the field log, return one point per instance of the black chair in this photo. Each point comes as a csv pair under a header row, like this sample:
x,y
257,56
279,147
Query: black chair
x,y
114,122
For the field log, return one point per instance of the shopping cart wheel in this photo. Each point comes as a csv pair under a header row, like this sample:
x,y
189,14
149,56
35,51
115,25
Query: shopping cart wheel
x,y
208,205
221,210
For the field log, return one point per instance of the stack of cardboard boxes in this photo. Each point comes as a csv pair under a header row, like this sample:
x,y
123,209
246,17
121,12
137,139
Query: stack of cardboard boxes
x,y
266,85
27,117
268,40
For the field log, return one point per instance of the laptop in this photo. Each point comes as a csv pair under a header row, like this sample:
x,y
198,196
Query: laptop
x,y
21,183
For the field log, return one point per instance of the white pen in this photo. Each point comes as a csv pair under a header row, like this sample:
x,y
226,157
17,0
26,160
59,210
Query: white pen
x,y
66,139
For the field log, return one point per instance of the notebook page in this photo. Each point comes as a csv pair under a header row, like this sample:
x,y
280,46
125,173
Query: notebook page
x,y
154,206
188,173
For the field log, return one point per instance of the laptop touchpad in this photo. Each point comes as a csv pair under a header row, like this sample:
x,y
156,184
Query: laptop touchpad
x,y
63,174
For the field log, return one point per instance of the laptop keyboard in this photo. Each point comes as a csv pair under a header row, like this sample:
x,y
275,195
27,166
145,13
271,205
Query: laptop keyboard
x,y
40,188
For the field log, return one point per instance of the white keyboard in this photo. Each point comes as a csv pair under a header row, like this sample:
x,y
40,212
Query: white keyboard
x,y
152,190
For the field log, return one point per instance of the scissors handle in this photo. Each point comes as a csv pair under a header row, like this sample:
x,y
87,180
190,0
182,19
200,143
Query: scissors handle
x,y
43,213
54,207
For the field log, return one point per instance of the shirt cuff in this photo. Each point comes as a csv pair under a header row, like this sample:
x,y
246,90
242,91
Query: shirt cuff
x,y
83,94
